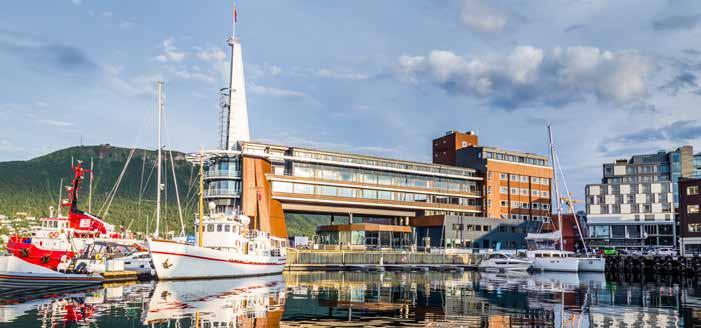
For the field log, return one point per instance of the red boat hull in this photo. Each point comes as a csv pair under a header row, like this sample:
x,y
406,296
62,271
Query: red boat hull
x,y
29,252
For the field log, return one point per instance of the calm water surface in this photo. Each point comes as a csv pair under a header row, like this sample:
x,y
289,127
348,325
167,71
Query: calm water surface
x,y
358,299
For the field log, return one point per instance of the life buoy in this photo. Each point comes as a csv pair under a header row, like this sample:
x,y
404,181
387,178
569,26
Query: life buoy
x,y
24,252
45,259
98,257
53,234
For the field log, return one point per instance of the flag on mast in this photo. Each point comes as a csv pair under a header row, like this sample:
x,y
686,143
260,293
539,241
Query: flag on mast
x,y
236,19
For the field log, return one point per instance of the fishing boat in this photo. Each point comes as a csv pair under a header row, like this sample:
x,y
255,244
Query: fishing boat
x,y
503,263
16,273
226,245
60,238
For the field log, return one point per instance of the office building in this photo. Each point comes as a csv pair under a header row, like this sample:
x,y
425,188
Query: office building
x,y
633,206
517,185
689,216
373,196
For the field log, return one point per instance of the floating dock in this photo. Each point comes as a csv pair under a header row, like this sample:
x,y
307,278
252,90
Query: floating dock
x,y
657,264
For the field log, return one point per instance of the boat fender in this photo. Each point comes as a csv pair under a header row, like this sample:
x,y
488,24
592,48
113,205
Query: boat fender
x,y
629,265
81,267
24,252
98,257
669,266
45,259
657,266
641,266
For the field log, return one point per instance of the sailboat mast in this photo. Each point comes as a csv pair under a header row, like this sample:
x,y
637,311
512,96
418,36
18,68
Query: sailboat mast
x,y
200,226
158,161
557,190
90,187
60,202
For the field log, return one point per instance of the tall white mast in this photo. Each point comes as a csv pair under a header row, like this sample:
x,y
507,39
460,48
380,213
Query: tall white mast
x,y
557,190
237,125
158,161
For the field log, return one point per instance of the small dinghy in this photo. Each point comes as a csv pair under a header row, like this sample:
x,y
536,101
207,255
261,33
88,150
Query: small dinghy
x,y
16,273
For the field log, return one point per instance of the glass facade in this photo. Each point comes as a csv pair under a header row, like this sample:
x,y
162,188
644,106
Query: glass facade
x,y
514,158
375,177
334,191
387,163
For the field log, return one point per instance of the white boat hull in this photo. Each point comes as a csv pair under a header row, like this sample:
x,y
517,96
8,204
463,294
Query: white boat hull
x,y
15,273
592,264
180,261
557,264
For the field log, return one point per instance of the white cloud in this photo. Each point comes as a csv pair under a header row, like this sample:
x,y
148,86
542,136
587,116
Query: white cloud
x,y
56,123
125,24
136,86
170,52
530,76
341,74
212,54
194,74
275,92
481,17
8,146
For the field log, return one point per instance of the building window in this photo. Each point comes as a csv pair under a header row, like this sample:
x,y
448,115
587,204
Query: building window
x,y
524,217
524,192
535,206
457,227
692,209
279,186
695,227
504,190
544,181
504,203
524,179
535,193
545,206
514,216
504,176
545,194
463,144
515,205
647,208
692,190
514,177
514,191
535,180
485,228
524,205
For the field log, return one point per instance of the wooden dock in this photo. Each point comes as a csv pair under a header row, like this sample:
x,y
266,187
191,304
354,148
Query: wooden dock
x,y
305,260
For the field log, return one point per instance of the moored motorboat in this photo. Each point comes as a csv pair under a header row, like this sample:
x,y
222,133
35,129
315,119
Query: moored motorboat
x,y
502,263
17,273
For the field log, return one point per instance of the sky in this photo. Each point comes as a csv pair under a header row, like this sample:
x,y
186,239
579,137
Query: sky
x,y
378,77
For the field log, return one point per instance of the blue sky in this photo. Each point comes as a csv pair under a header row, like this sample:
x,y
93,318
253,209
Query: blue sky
x,y
378,77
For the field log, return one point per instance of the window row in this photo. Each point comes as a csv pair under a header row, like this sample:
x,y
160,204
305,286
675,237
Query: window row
x,y
524,192
384,163
514,158
637,179
692,190
631,199
523,178
629,231
526,205
336,173
526,217
643,188
634,208
302,188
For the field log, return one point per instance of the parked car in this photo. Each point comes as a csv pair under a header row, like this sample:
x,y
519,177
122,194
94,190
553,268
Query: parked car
x,y
663,252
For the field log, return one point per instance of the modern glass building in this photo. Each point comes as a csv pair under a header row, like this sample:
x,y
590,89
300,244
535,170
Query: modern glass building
x,y
634,205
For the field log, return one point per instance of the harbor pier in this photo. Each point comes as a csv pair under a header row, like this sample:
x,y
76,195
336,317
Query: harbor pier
x,y
349,260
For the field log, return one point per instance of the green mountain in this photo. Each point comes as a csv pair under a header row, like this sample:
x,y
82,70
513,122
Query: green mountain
x,y
32,186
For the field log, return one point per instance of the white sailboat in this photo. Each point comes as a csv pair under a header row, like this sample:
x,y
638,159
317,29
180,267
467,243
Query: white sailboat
x,y
554,258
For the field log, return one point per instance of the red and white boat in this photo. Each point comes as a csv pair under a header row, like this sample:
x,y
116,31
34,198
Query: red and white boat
x,y
61,238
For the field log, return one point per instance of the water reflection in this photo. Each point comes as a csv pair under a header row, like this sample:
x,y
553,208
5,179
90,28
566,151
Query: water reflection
x,y
370,299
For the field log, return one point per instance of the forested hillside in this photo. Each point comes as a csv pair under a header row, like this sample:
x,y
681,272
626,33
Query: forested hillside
x,y
32,186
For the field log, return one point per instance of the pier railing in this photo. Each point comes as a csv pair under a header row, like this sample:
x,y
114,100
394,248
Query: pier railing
x,y
364,258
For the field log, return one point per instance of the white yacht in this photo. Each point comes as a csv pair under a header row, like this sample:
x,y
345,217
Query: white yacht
x,y
553,260
502,263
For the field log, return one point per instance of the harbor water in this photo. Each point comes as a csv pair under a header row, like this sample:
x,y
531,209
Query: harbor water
x,y
378,299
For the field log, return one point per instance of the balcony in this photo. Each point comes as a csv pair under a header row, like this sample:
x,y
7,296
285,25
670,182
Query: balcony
x,y
222,174
222,193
